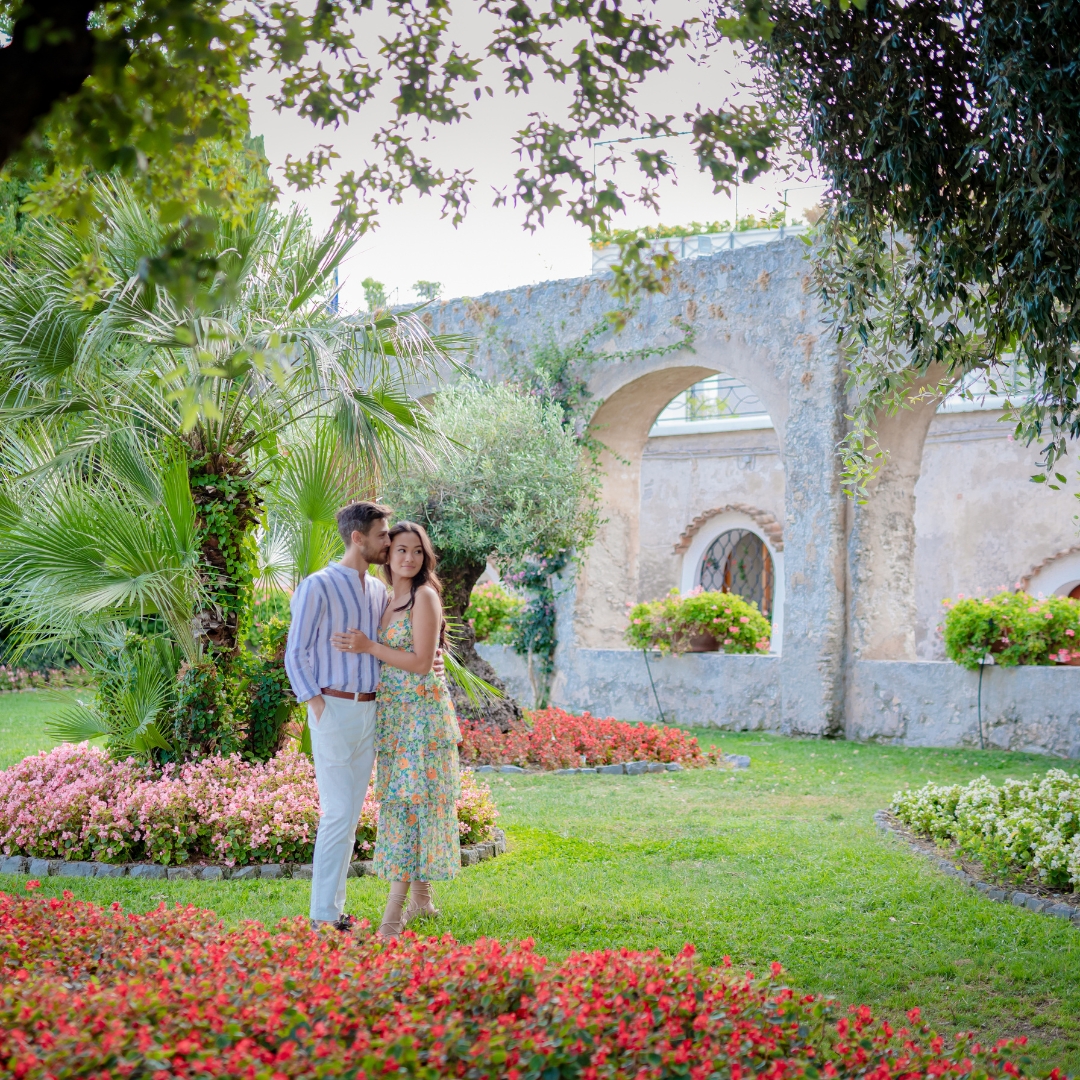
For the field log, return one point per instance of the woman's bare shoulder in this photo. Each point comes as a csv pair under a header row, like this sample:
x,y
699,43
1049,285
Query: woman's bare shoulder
x,y
429,597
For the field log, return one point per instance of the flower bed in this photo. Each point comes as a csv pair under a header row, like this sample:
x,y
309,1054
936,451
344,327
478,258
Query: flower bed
x,y
555,739
75,802
1023,827
90,991
1014,628
669,624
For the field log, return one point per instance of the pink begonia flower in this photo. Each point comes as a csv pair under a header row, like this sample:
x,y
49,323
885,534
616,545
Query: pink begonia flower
x,y
1071,633
744,618
727,641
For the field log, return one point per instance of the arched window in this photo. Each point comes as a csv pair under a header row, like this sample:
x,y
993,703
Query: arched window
x,y
718,403
738,562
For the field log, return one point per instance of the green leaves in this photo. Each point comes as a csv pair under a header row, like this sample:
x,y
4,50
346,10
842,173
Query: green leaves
x,y
951,241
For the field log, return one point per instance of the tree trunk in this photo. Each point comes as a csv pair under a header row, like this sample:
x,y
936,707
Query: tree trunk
x,y
227,507
49,57
458,579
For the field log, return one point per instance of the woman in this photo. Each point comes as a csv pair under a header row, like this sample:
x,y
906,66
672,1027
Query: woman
x,y
416,734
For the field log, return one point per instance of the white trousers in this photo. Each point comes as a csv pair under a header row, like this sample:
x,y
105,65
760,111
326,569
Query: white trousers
x,y
343,745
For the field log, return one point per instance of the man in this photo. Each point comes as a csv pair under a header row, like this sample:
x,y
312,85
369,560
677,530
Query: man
x,y
339,689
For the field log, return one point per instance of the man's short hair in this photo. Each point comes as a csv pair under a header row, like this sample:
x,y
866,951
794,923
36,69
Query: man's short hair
x,y
359,517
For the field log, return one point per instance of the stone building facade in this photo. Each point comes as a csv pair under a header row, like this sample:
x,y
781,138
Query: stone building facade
x,y
855,591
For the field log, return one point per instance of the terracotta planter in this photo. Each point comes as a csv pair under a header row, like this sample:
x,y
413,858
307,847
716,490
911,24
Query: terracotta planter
x,y
704,643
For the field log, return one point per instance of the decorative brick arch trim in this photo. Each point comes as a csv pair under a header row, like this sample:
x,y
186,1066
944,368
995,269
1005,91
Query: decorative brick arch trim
x,y
1025,581
769,525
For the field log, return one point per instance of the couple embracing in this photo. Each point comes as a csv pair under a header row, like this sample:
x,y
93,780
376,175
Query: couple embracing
x,y
364,655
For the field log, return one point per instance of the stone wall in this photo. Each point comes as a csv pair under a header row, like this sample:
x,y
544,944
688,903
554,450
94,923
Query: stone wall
x,y
1034,709
921,703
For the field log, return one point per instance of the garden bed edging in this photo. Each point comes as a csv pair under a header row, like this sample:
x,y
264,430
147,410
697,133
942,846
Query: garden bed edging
x,y
1016,897
39,868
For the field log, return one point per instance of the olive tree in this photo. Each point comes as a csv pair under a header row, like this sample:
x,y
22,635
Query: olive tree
x,y
513,482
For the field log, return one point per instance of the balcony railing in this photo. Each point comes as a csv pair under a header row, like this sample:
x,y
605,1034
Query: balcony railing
x,y
694,247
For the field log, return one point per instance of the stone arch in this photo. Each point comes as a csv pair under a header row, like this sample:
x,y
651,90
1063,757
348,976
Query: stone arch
x,y
881,535
1056,575
769,525
633,395
705,528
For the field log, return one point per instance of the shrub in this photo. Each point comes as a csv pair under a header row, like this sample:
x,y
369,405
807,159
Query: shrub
x,y
17,678
1022,827
667,624
75,802
1015,628
491,612
92,991
554,739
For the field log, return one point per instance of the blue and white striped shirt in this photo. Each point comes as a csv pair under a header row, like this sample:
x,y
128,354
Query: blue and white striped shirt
x,y
331,600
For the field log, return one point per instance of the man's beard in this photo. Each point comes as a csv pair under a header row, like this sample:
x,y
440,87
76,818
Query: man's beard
x,y
379,558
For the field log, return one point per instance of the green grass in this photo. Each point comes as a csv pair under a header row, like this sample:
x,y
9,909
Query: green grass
x,y
22,721
780,862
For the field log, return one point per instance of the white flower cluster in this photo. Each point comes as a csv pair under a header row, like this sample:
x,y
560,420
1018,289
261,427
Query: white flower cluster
x,y
1021,826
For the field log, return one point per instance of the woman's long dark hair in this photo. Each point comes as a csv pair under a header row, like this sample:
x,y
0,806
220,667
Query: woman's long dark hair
x,y
424,576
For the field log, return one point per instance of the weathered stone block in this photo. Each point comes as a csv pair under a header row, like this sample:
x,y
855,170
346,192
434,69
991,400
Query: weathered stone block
x,y
303,871
148,872
611,769
40,868
485,768
1061,911
73,868
469,856
244,873
210,873
738,761
104,869
14,864
363,868
636,768
1000,895
1036,903
566,772
270,871
511,768
1019,899
673,766
656,766
181,873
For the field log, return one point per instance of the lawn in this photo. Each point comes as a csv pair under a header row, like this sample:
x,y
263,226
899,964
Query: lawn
x,y
779,862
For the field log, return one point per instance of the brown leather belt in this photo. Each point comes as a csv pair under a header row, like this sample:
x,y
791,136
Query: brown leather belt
x,y
326,692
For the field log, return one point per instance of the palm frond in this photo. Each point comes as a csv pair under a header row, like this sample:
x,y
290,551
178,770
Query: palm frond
x,y
477,690
77,723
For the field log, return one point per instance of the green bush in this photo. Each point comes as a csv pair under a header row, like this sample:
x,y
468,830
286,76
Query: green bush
x,y
491,613
668,624
1015,628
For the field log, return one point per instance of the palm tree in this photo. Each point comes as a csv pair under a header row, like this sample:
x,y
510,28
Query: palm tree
x,y
105,352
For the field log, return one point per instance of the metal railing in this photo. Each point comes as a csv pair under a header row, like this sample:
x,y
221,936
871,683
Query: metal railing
x,y
695,247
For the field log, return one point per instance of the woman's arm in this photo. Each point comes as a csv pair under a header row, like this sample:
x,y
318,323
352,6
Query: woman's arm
x,y
426,622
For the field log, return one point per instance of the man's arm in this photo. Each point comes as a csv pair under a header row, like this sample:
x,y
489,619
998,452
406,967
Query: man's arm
x,y
306,609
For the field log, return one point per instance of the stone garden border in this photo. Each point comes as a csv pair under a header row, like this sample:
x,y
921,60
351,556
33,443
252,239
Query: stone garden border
x,y
40,868
885,822
626,768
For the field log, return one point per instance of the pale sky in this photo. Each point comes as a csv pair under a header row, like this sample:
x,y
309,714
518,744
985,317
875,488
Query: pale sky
x,y
491,250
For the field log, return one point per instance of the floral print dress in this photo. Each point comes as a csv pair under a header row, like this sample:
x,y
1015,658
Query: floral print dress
x,y
417,782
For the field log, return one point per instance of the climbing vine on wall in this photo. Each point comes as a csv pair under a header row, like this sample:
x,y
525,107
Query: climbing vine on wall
x,y
534,625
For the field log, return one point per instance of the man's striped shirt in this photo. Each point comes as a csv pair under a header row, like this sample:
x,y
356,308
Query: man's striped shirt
x,y
330,600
